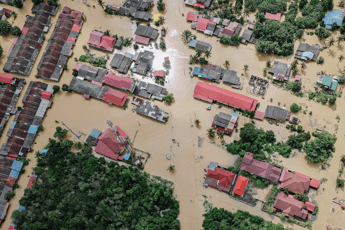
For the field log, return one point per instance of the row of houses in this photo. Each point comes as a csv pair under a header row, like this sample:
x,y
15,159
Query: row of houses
x,y
25,48
10,90
60,44
134,8
103,42
290,206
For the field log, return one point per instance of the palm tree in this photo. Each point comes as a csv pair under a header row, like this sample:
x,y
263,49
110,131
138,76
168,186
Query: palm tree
x,y
107,33
294,72
194,59
220,135
101,3
161,20
341,57
197,122
331,42
227,64
186,34
341,3
246,68
198,52
211,133
268,63
207,54
171,168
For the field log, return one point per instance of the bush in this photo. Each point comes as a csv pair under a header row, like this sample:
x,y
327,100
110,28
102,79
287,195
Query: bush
x,y
75,72
169,98
296,86
160,5
321,148
15,185
136,46
56,88
321,32
295,108
9,195
18,3
40,128
340,183
5,27
36,2
78,145
320,60
15,31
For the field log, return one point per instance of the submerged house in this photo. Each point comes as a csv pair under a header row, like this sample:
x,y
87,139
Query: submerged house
x,y
121,62
148,109
225,122
199,45
240,186
124,83
100,41
307,52
328,83
208,74
219,178
275,17
276,113
210,93
149,91
143,34
143,62
136,8
336,16
201,3
248,37
231,77
111,144
291,206
280,71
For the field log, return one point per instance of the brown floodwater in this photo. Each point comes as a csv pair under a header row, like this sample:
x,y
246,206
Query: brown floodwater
x,y
189,159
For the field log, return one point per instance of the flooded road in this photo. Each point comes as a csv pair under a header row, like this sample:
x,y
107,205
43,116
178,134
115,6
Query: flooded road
x,y
189,159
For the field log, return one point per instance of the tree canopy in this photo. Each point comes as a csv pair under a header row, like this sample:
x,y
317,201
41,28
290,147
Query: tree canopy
x,y
78,191
321,148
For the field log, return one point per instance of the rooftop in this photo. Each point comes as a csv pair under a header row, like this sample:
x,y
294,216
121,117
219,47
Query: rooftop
x,y
290,206
295,183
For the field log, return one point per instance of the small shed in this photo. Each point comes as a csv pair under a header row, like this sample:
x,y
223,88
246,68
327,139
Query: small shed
x,y
297,77
159,74
259,115
126,156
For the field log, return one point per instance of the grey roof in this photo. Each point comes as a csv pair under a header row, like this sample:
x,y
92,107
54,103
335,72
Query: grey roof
x,y
145,16
146,31
304,47
87,72
203,46
148,109
143,62
148,90
118,42
121,63
222,120
280,68
207,3
92,140
248,36
230,76
276,113
45,8
86,87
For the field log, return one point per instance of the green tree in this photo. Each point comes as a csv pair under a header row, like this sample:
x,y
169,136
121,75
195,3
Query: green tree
x,y
246,67
101,3
321,148
169,98
53,2
56,88
36,2
75,72
171,168
186,34
320,60
302,3
296,86
227,64
9,195
15,31
207,54
295,108
1,50
5,27
211,133
220,135
66,88
340,183
18,3
60,133
197,122
78,145
40,128
160,5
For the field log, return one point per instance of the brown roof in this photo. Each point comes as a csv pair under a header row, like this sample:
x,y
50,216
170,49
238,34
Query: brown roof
x,y
263,169
290,206
295,183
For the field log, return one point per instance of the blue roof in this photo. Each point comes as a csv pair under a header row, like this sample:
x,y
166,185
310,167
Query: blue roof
x,y
44,152
33,129
95,133
235,114
13,124
33,175
196,71
192,43
14,173
212,166
209,106
21,208
14,111
308,55
331,17
126,156
17,165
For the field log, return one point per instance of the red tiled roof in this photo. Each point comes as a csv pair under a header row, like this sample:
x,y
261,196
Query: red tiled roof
x,y
290,206
66,10
141,39
25,30
259,168
75,28
294,183
121,132
46,95
7,12
302,175
31,181
158,73
109,145
273,16
115,97
210,92
314,183
71,39
10,181
191,16
107,43
6,78
240,185
219,179
202,6
310,206
117,81
259,115
201,25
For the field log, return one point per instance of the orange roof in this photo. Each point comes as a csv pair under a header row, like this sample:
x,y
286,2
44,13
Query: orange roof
x,y
240,185
46,95
310,206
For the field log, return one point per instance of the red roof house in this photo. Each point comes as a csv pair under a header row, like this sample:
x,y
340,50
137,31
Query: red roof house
x,y
314,183
259,168
112,79
159,74
201,25
240,185
295,183
273,16
290,206
219,178
46,95
121,132
95,38
191,16
259,115
142,39
202,6
108,145
31,181
6,78
107,43
310,206
210,92
115,97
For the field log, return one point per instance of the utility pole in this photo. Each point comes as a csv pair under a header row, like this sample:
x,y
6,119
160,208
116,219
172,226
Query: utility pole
x,y
78,136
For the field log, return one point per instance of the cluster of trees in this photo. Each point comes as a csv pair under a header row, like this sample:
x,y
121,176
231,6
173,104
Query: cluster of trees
x,y
169,98
160,5
323,97
258,181
198,59
312,14
227,12
238,5
321,32
80,191
16,3
1,50
222,219
234,40
321,148
291,15
271,6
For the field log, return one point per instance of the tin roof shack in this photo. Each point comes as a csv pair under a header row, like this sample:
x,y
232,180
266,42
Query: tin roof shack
x,y
210,92
276,113
225,122
10,89
247,36
146,32
280,71
294,120
148,90
60,44
219,178
91,74
137,9
290,206
112,144
124,83
24,127
100,41
121,63
199,45
336,16
259,168
328,83
25,48
4,13
148,109
143,62
231,77
304,52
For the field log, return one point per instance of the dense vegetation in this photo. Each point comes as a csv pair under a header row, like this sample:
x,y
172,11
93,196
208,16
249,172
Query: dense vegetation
x,y
271,6
321,148
80,191
216,219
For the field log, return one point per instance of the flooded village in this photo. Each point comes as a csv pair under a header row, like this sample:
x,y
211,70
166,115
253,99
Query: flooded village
x,y
185,94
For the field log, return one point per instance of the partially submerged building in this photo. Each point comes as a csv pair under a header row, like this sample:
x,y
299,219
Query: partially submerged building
x,y
307,52
259,168
280,71
208,73
136,8
199,45
91,74
10,89
100,41
143,34
231,77
295,183
4,13
148,109
25,48
328,83
149,91
336,16
124,83
290,206
240,186
275,17
210,93
219,178
121,62
60,44
199,3
225,122
143,62
248,37
276,113
259,85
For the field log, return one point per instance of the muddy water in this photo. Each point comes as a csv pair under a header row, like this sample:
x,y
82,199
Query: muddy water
x,y
189,159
